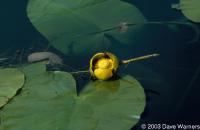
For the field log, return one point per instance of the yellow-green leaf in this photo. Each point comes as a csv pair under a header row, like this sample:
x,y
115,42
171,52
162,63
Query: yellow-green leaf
x,y
11,80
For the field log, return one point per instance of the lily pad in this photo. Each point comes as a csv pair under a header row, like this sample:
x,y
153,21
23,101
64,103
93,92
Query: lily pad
x,y
49,101
190,9
11,80
68,25
128,37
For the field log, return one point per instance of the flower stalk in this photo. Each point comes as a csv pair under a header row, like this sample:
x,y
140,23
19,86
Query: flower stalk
x,y
104,66
139,58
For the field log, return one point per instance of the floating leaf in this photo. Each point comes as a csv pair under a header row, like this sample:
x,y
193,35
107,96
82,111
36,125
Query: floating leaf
x,y
48,101
190,8
127,37
11,80
66,23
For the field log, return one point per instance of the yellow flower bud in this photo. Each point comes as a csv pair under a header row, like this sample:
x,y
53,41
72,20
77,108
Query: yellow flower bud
x,y
103,74
103,65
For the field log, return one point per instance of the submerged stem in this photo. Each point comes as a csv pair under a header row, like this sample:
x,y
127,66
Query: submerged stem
x,y
196,30
139,58
77,72
188,89
3,59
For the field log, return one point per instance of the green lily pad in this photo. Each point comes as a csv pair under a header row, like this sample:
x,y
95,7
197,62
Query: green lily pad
x,y
128,37
48,101
190,9
11,80
66,23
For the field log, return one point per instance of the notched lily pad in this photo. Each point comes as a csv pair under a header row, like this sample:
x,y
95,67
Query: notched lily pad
x,y
76,26
11,80
49,101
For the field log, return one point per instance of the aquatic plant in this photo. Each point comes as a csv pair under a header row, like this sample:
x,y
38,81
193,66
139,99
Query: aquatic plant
x,y
11,80
49,100
83,28
42,99
189,8
79,27
104,66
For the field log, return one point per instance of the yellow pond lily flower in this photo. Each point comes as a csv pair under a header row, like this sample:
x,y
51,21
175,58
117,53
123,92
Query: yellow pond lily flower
x,y
103,65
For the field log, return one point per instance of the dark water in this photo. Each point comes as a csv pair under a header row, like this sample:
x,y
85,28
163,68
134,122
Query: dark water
x,y
171,81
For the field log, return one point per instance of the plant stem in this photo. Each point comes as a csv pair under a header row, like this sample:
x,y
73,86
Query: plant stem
x,y
135,24
77,72
124,62
3,59
139,58
141,23
196,37
188,89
